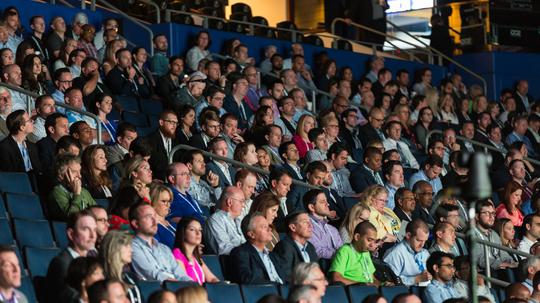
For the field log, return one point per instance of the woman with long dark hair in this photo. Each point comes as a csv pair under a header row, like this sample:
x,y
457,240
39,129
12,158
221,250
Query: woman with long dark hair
x,y
95,177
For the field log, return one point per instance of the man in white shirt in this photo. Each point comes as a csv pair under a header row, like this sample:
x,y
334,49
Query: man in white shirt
x,y
246,181
393,141
532,233
44,107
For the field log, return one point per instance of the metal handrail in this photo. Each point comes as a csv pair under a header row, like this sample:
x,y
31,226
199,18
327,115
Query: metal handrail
x,y
442,5
250,24
82,112
369,29
474,142
137,22
158,10
233,162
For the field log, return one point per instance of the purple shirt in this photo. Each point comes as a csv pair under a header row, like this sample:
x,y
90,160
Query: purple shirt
x,y
325,238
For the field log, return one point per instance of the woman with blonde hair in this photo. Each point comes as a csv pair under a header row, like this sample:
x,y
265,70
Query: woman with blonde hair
x,y
301,139
385,220
161,197
446,112
192,294
330,124
109,62
115,254
139,175
356,214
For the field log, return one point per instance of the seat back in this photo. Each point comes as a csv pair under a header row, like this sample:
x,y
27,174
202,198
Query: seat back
x,y
212,262
103,202
24,206
335,293
147,288
252,293
35,233
38,259
151,107
176,285
358,293
223,292
390,292
15,183
59,231
344,45
3,210
6,236
137,119
128,103
28,289
241,8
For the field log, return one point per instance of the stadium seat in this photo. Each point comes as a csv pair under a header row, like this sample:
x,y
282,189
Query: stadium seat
x,y
145,131
24,206
38,259
212,262
344,45
114,115
223,292
15,183
147,288
194,4
59,231
286,35
495,294
103,202
284,290
252,293
335,293
314,40
6,237
128,103
241,8
390,292
28,289
151,107
325,264
358,293
418,290
137,119
35,233
176,285
3,210
183,19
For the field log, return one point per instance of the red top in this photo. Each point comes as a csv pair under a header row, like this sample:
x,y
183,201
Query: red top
x,y
516,217
302,145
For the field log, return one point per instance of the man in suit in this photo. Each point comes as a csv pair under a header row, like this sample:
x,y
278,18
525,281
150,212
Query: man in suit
x,y
467,131
252,262
56,126
315,174
273,137
169,83
522,97
280,185
483,121
373,130
162,142
16,153
496,140
533,132
10,276
405,204
125,134
82,235
123,79
289,154
295,248
348,129
369,172
210,126
222,169
423,193
235,104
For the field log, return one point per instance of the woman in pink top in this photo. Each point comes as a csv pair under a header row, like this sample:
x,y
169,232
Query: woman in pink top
x,y
300,139
186,251
510,206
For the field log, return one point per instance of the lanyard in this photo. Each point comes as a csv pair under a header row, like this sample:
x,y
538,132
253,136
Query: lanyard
x,y
189,201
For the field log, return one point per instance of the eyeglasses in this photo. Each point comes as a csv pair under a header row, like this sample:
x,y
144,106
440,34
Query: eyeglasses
x,y
65,81
426,194
488,213
450,266
182,174
102,220
172,122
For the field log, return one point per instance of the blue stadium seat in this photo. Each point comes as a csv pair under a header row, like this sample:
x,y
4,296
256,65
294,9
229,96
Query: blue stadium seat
x,y
223,292
418,291
15,183
128,103
24,206
3,210
137,119
176,285
103,202
358,293
151,107
38,259
154,121
335,293
36,233
495,295
284,290
147,288
252,293
114,115
59,231
6,237
390,292
28,289
145,131
212,262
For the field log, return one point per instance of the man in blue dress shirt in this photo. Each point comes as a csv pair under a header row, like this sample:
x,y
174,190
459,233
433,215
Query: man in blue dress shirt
x,y
430,172
441,266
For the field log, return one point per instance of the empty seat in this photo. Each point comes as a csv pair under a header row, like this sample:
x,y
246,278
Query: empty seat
x,y
151,107
15,183
358,293
144,131
147,288
59,231
212,262
314,40
178,6
35,233
239,17
24,206
344,45
223,292
176,285
284,290
195,4
183,19
28,289
3,210
241,8
114,115
252,293
335,293
103,202
390,292
38,259
137,119
418,291
6,237
128,103
285,35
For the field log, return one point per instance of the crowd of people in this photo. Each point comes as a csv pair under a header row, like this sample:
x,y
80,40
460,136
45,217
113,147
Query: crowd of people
x,y
376,203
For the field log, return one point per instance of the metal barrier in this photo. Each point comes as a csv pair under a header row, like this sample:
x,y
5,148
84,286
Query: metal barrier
x,y
233,162
34,95
483,145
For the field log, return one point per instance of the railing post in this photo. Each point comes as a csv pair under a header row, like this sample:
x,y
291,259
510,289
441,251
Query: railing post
x,y
205,22
314,104
92,5
252,29
293,36
167,15
374,49
488,267
313,98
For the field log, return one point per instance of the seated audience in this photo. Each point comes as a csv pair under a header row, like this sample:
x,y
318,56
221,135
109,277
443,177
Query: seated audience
x,y
355,215
431,169
531,228
204,190
82,273
95,177
462,267
511,204
369,172
182,204
441,267
10,276
267,204
161,197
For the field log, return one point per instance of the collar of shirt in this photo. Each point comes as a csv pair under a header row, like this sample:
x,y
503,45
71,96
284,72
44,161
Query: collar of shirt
x,y
122,149
318,221
166,141
300,246
369,169
150,244
73,253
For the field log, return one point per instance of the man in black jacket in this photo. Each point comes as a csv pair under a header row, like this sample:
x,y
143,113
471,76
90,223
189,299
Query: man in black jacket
x,y
123,79
373,130
369,172
295,247
252,262
169,84
162,142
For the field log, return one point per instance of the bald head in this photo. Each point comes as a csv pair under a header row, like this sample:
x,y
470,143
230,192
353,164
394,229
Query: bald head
x,y
232,201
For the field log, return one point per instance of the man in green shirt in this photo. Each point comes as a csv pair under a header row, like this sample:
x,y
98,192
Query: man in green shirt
x,y
68,196
352,262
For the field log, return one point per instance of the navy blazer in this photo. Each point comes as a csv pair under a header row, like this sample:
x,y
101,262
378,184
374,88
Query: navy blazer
x,y
367,133
335,203
223,182
288,255
293,173
230,105
159,159
249,267
295,198
361,178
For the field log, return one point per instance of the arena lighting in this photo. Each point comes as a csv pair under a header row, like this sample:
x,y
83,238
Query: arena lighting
x,y
477,187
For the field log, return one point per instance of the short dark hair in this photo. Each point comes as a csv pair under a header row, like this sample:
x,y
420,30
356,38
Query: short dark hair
x,y
124,127
443,210
133,213
316,165
292,217
415,225
50,121
65,142
314,133
99,291
75,217
189,155
388,166
370,152
15,121
141,147
436,258
310,197
481,204
58,73
336,149
434,160
278,173
362,227
174,58
74,128
284,147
